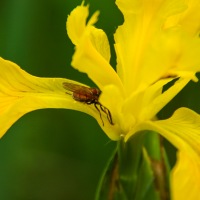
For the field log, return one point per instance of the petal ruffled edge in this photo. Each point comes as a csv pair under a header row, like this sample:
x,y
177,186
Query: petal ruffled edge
x,y
92,53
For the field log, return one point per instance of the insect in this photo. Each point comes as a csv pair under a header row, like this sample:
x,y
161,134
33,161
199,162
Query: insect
x,y
89,96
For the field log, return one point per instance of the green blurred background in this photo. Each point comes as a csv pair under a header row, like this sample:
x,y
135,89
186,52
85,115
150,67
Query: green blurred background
x,y
56,154
49,154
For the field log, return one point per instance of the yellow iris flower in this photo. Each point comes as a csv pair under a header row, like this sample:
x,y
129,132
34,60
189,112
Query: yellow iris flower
x,y
157,43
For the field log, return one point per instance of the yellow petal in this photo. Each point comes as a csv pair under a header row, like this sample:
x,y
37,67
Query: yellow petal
x,y
182,52
155,101
21,93
77,18
145,104
77,28
135,40
189,19
92,53
112,98
185,177
183,131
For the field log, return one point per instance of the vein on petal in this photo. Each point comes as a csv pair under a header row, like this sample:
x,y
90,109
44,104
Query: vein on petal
x,y
21,93
135,39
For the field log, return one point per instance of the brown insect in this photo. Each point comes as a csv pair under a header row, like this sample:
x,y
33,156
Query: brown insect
x,y
89,96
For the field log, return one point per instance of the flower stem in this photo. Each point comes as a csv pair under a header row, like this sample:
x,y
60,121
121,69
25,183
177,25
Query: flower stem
x,y
159,168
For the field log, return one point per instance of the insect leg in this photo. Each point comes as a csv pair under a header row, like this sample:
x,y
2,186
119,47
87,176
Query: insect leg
x,y
68,93
95,104
109,116
107,112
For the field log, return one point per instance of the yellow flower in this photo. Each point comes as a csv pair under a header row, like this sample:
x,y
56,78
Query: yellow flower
x,y
157,43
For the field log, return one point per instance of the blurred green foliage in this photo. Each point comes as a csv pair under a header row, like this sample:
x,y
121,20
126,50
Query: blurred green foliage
x,y
50,154
56,154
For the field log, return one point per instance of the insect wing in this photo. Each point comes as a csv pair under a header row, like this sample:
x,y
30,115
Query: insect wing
x,y
76,88
89,96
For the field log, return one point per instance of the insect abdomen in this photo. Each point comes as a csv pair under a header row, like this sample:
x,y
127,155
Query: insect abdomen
x,y
81,97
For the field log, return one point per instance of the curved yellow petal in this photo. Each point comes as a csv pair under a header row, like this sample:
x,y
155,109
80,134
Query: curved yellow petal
x,y
77,28
21,93
112,98
155,101
189,19
175,52
184,124
141,57
145,104
92,53
183,131
185,177
182,52
77,18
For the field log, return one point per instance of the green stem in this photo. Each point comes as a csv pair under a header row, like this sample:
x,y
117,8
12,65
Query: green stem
x,y
159,169
114,180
